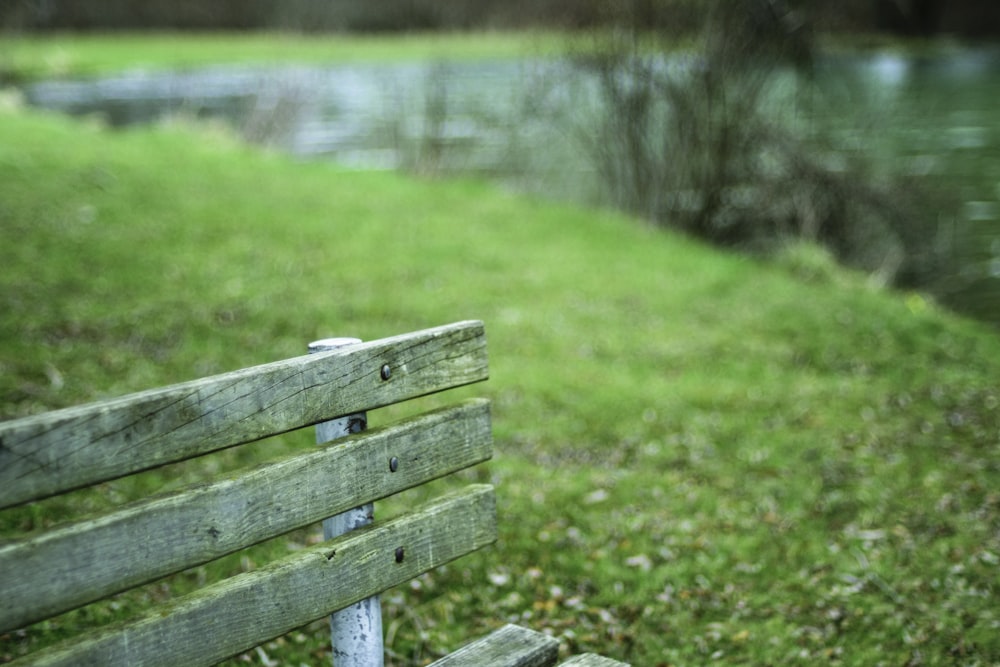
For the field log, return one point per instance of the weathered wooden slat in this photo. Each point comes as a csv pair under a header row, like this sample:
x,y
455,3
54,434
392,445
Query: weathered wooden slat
x,y
592,660
244,611
66,449
510,646
79,563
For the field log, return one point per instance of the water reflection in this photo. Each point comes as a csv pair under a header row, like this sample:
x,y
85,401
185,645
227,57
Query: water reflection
x,y
890,69
926,116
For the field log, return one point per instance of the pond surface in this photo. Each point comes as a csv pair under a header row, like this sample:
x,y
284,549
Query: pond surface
x,y
360,115
521,124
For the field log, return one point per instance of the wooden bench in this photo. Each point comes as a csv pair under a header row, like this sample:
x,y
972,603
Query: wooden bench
x,y
51,571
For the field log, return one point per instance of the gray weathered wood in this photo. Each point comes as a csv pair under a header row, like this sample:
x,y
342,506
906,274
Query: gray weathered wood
x,y
66,449
48,573
78,563
510,646
240,613
592,660
356,630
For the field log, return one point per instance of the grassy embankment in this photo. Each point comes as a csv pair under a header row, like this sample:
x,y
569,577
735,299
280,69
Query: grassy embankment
x,y
32,56
700,457
71,54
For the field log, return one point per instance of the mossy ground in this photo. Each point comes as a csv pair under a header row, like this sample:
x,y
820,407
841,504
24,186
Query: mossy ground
x,y
701,457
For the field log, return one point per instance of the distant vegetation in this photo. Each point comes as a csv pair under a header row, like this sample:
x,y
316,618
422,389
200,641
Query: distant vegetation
x,y
709,147
700,150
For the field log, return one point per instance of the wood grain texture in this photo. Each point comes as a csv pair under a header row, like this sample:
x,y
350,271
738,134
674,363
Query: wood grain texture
x,y
246,610
66,449
510,646
75,564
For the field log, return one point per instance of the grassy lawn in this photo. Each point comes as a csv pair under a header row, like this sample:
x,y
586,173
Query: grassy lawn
x,y
64,54
32,56
700,457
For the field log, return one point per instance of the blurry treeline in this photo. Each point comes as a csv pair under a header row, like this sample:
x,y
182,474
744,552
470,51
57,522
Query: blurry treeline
x,y
915,17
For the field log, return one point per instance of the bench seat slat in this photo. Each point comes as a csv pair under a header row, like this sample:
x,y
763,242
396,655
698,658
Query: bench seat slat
x,y
241,612
66,449
79,563
510,646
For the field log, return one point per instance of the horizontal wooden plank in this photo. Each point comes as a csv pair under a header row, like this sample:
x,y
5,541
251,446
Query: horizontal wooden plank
x,y
65,449
592,660
75,564
246,610
510,646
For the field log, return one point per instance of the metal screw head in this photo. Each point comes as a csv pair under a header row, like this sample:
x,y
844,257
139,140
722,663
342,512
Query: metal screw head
x,y
357,423
400,554
393,464
386,372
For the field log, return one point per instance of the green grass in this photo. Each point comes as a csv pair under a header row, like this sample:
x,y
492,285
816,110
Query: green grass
x,y
700,457
65,54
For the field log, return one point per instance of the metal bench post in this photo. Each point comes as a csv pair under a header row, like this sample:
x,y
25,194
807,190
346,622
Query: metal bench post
x,y
356,631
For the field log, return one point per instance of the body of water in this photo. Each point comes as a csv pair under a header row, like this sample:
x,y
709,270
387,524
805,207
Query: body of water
x,y
523,124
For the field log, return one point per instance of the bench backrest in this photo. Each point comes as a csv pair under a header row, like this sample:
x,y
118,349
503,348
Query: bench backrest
x,y
47,573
